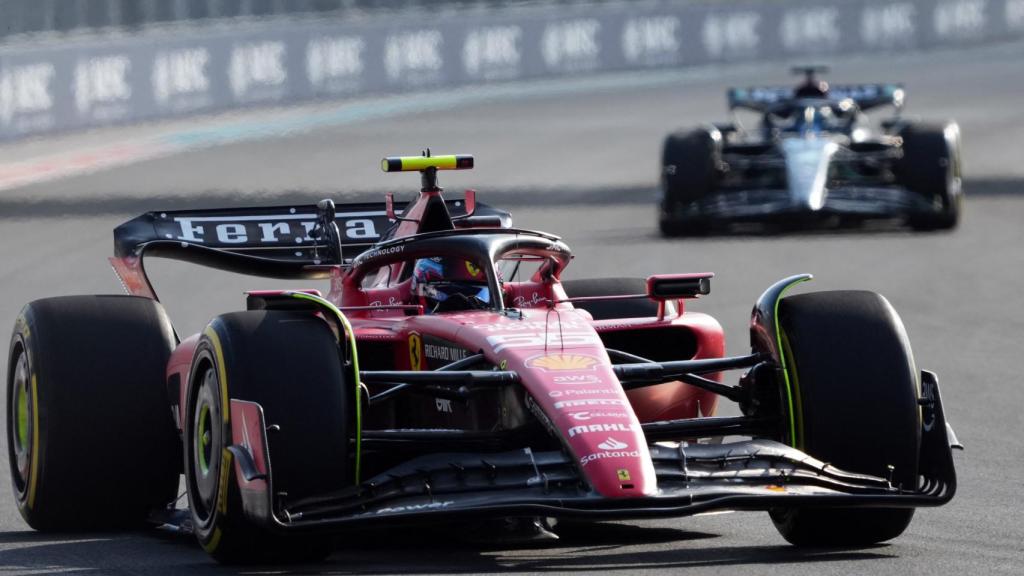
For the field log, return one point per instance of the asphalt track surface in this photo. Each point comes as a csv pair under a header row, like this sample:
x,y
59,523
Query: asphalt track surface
x,y
580,160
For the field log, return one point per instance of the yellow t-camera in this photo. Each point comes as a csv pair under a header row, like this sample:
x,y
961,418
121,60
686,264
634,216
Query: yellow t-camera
x,y
421,163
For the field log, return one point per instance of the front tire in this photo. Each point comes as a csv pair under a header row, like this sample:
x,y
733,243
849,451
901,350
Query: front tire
x,y
91,440
855,389
931,167
289,364
689,168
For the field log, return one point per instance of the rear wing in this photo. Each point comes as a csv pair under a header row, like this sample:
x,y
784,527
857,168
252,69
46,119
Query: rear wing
x,y
274,241
866,96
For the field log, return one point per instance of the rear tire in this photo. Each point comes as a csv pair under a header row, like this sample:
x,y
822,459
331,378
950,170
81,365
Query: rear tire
x,y
288,363
611,309
931,167
855,389
91,440
689,165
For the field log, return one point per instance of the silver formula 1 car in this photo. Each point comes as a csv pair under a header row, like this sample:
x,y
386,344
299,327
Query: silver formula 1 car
x,y
815,157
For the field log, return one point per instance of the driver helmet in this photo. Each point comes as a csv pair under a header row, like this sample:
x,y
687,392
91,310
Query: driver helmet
x,y
444,284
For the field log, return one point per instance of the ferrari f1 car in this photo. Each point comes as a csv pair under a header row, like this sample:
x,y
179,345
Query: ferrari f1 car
x,y
815,158
450,375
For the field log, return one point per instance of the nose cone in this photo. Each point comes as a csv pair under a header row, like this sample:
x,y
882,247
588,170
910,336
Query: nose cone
x,y
807,163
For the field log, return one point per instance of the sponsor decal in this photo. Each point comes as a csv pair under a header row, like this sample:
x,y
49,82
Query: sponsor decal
x,y
26,96
960,19
807,27
588,402
258,71
443,405
584,392
384,252
589,415
601,428
335,64
559,362
416,507
493,52
101,87
533,300
180,79
731,34
414,57
442,352
612,444
416,359
603,455
888,25
651,40
1015,14
572,45
623,475
576,379
472,269
554,338
270,229
775,488
503,365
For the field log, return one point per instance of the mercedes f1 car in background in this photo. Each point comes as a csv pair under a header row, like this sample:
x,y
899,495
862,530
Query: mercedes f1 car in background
x,y
814,158
450,375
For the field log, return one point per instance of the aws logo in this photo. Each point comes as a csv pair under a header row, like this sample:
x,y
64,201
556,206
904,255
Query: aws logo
x,y
559,362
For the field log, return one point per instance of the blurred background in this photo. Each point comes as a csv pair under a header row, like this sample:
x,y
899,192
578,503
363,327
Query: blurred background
x,y
110,108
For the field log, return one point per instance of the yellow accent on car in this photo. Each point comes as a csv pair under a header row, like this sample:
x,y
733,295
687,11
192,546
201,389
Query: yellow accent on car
x,y
222,375
420,163
33,471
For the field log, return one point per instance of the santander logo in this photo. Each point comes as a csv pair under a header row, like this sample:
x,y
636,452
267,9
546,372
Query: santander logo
x,y
612,444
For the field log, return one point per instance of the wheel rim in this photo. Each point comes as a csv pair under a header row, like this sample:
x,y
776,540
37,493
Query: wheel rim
x,y
22,410
206,446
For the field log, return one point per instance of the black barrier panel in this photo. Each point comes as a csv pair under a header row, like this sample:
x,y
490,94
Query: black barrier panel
x,y
70,84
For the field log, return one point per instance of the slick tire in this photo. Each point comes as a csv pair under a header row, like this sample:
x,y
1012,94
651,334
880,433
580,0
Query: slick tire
x,y
288,363
855,389
91,440
931,167
611,309
689,168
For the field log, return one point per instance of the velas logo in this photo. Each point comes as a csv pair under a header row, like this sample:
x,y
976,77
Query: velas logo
x,y
558,362
612,444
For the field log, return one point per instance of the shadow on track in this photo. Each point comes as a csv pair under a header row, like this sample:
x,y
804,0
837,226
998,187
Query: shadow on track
x,y
582,548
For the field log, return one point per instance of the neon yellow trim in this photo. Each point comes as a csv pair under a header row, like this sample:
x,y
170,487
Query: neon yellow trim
x,y
204,465
355,365
798,399
418,163
33,471
222,375
214,542
222,482
782,359
21,403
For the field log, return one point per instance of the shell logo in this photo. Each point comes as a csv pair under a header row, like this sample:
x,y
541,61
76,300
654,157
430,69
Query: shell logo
x,y
563,362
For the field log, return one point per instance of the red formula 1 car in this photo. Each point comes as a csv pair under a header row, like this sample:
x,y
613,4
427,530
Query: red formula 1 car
x,y
450,375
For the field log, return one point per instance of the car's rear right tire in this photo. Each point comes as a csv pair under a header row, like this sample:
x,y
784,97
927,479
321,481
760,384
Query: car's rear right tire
x,y
855,390
288,363
91,439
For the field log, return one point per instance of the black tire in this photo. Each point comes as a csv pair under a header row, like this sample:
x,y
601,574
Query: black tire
x,y
288,363
91,440
689,168
855,390
931,167
611,309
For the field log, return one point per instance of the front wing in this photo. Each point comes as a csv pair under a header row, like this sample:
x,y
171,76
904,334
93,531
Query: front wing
x,y
754,474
